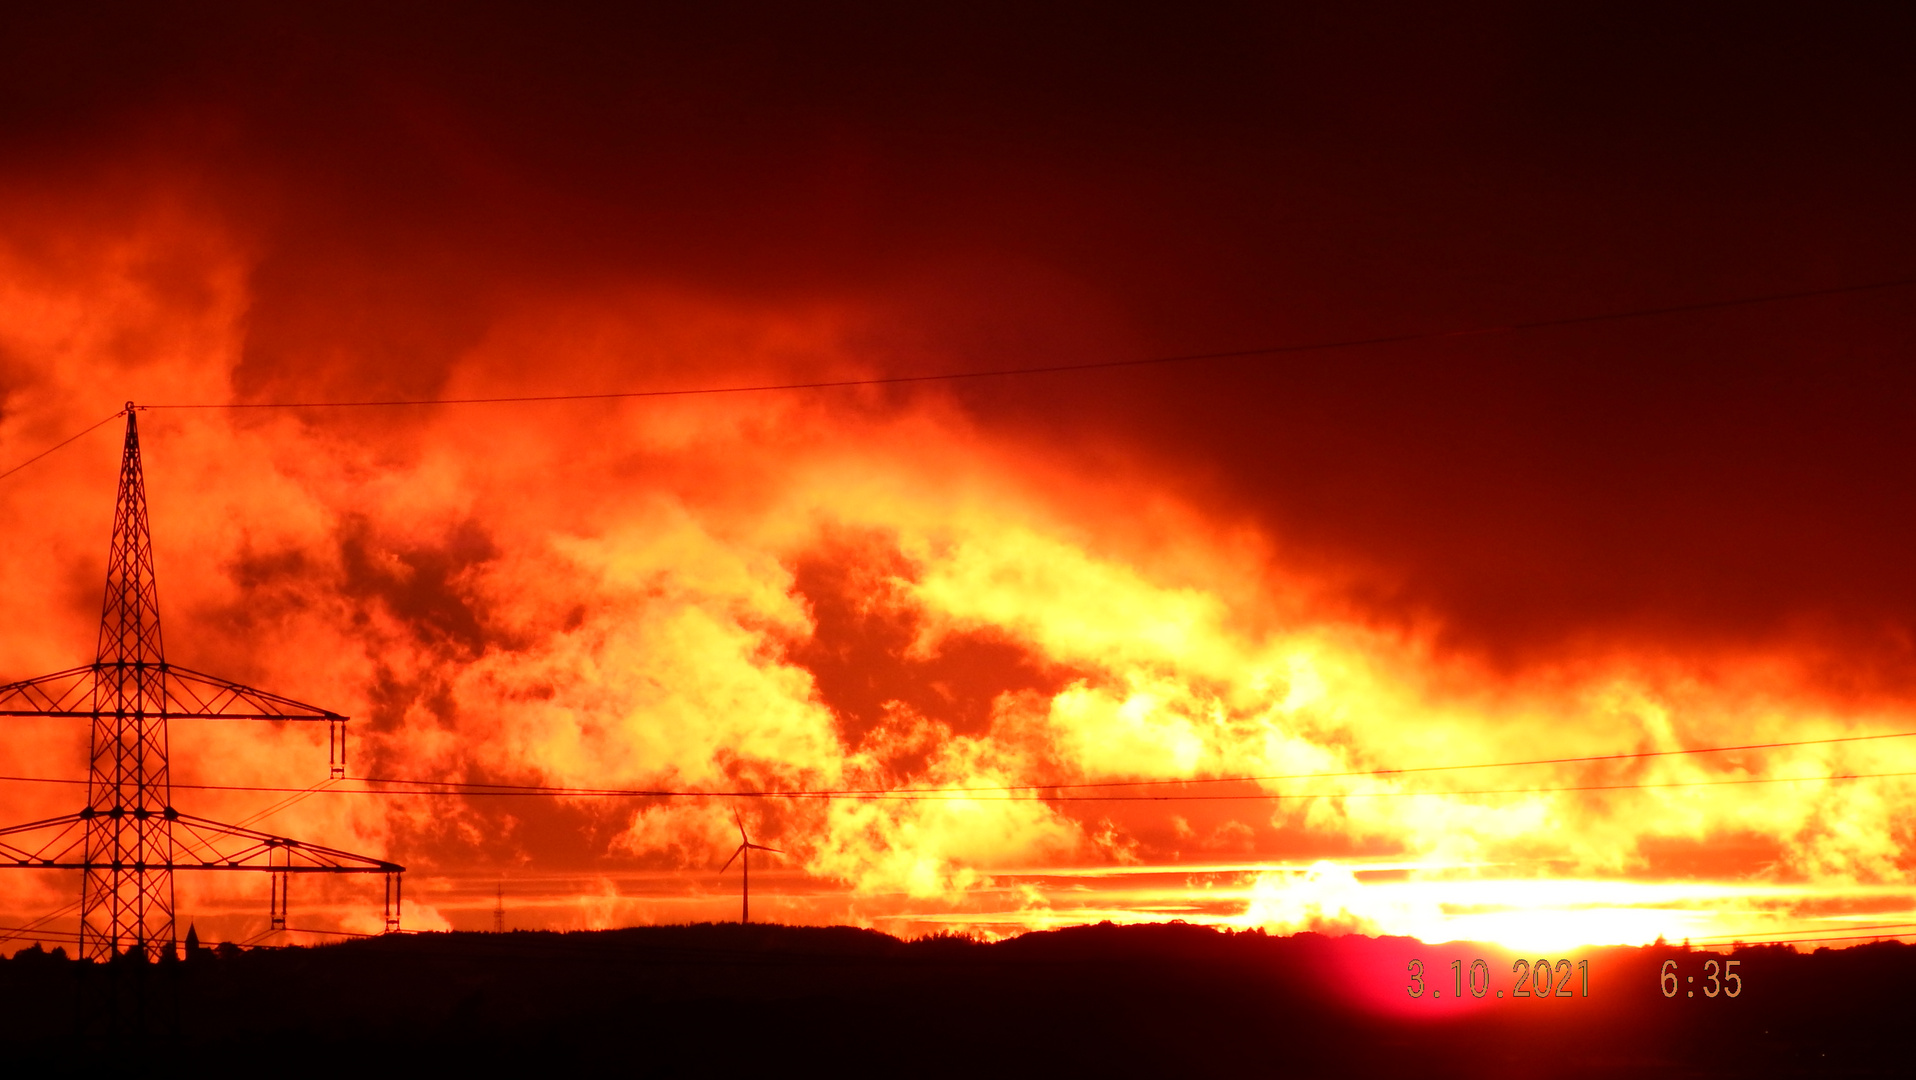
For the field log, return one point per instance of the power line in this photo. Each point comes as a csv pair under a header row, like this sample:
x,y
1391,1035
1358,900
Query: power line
x,y
286,803
63,442
448,788
1623,756
1776,936
21,933
38,926
1093,365
9,933
1018,795
1043,369
462,787
1810,940
1626,755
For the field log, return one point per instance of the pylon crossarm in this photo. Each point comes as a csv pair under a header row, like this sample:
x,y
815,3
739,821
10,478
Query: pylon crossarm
x,y
202,843
195,695
63,693
66,833
185,694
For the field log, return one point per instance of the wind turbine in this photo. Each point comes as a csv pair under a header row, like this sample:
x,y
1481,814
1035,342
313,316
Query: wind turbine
x,y
743,856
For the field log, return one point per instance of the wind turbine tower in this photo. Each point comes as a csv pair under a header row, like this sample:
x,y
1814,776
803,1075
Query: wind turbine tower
x,y
743,855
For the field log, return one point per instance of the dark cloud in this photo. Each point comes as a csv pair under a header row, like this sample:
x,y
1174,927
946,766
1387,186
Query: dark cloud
x,y
426,589
1197,181
876,665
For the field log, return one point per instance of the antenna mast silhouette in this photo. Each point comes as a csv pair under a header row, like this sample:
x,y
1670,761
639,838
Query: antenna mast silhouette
x,y
129,839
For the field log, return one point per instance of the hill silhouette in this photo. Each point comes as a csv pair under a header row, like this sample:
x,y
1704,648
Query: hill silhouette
x,y
1164,1000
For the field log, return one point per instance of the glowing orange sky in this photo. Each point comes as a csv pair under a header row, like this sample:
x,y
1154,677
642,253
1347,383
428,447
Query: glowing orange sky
x,y
1647,535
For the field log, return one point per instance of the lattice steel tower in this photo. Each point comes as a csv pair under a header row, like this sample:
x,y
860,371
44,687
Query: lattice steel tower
x,y
130,838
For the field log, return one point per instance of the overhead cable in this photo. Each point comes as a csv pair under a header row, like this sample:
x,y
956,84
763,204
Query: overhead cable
x,y
1090,365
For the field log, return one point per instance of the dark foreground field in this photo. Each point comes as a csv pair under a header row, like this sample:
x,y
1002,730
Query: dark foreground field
x,y
1145,1000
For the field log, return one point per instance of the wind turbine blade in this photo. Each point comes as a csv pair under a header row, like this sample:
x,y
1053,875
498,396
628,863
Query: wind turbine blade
x,y
762,847
741,828
733,859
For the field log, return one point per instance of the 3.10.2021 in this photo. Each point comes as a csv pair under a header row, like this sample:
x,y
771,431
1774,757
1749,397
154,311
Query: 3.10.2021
x,y
1543,979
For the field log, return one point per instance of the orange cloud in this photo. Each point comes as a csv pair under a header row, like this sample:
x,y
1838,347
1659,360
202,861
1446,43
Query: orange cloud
x,y
863,589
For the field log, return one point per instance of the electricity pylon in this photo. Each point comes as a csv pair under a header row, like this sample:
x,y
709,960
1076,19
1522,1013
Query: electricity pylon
x,y
129,838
